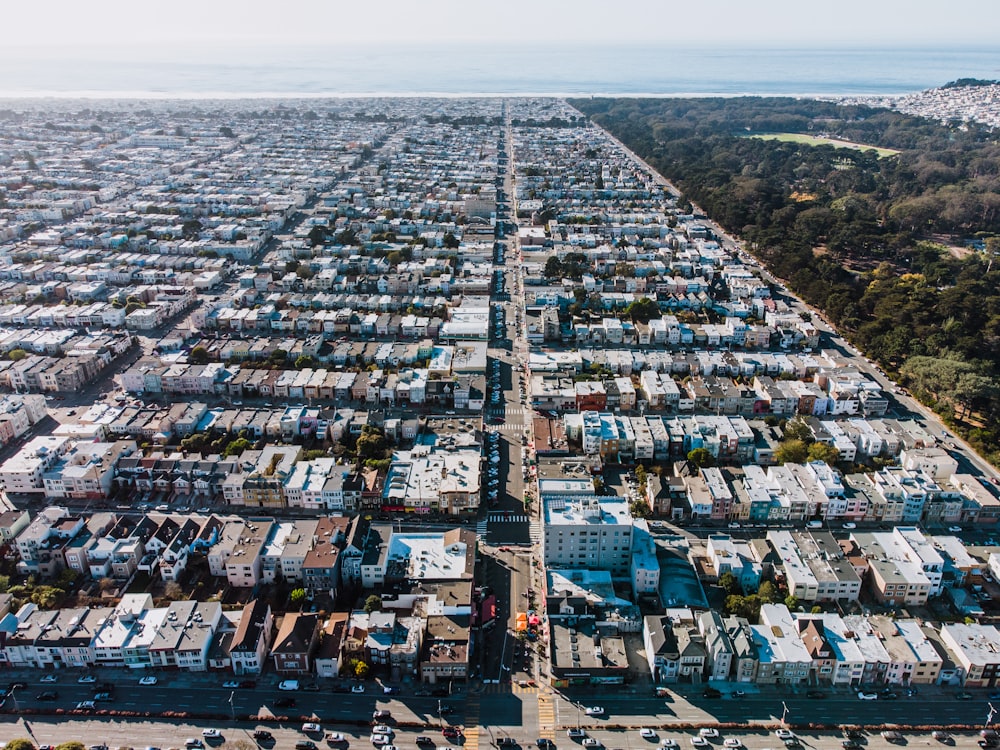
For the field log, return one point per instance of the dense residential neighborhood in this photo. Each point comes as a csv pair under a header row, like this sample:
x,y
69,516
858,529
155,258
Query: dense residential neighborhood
x,y
285,385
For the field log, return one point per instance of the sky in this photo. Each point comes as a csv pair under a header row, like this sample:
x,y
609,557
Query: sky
x,y
107,24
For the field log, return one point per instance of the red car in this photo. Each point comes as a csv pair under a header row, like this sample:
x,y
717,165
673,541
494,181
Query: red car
x,y
451,732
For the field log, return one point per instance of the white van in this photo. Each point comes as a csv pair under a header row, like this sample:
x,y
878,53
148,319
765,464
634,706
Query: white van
x,y
288,685
815,524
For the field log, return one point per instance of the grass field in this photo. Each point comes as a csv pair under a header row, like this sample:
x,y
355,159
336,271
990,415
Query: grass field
x,y
812,140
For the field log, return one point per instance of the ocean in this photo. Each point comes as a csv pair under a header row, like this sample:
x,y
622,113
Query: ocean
x,y
476,70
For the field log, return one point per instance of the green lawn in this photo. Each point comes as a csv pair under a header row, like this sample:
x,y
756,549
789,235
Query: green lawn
x,y
812,140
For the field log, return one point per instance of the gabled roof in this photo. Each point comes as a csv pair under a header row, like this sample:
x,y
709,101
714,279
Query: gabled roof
x,y
295,636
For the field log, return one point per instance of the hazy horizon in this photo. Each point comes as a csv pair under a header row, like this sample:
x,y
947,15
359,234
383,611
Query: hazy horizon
x,y
114,23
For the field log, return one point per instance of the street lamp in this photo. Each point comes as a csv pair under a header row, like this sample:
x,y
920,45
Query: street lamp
x,y
784,712
232,708
990,714
13,694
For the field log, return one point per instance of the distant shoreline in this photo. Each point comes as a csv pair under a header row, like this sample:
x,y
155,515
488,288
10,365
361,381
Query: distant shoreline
x,y
306,96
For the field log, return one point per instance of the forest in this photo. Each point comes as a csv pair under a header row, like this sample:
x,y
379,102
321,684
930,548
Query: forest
x,y
898,251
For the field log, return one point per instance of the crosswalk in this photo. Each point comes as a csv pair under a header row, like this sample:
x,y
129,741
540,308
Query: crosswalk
x,y
511,687
471,730
535,532
546,715
505,518
482,527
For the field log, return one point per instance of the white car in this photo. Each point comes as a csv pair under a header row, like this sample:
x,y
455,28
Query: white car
x,y
49,678
784,734
867,696
594,711
954,529
211,734
647,734
733,742
591,742
850,525
335,738
150,680
669,744
699,742
310,727
709,733
380,739
87,679
230,684
382,729
357,688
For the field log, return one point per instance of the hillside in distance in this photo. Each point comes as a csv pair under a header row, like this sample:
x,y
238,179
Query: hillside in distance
x,y
896,247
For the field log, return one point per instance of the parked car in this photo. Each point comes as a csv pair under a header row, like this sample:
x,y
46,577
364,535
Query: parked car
x,y
211,734
87,679
148,680
594,711
262,734
708,733
867,696
311,727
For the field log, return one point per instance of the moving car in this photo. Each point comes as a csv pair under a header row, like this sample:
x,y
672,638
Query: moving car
x,y
594,711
